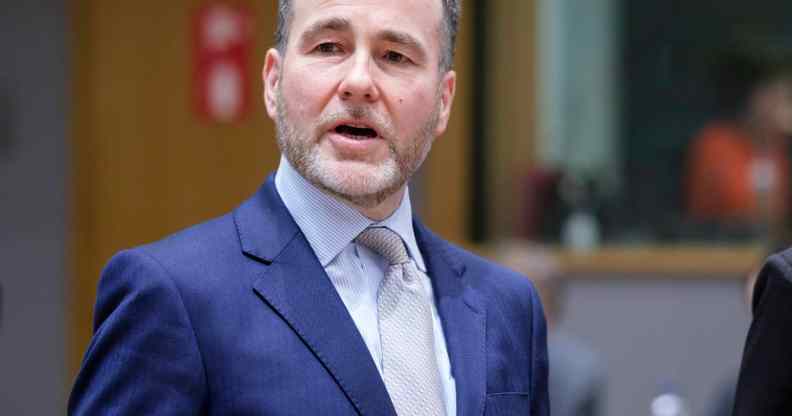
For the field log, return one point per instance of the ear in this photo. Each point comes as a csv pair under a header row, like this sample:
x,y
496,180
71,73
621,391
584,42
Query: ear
x,y
447,91
270,75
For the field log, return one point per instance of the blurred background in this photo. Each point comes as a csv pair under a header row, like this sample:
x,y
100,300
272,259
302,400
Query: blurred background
x,y
631,157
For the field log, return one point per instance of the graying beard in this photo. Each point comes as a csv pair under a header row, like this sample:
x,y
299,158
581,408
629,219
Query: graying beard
x,y
288,144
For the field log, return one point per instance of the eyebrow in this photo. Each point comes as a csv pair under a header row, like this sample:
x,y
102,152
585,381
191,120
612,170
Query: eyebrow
x,y
340,24
404,39
332,24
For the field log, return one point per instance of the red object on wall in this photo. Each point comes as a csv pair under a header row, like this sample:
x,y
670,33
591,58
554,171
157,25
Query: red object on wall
x,y
222,47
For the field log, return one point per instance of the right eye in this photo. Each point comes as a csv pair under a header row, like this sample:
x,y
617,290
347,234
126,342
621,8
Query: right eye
x,y
328,48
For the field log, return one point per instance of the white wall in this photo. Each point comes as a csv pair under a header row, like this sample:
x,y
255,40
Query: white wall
x,y
649,333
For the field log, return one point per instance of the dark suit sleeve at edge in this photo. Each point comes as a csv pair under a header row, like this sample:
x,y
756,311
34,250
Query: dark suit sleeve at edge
x,y
765,382
143,358
540,403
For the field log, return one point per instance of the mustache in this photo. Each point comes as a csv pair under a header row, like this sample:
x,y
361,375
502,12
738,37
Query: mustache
x,y
362,114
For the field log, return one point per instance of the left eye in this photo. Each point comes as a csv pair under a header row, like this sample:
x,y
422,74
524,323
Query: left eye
x,y
395,57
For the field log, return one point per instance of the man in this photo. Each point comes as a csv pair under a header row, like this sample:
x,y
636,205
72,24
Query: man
x,y
765,381
322,295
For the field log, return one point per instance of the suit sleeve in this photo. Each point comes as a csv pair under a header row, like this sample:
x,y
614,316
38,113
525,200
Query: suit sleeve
x,y
143,358
540,404
765,382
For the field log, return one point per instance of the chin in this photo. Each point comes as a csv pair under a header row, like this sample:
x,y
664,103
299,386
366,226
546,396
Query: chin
x,y
361,183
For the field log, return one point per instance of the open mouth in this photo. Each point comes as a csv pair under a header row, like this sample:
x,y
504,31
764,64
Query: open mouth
x,y
356,133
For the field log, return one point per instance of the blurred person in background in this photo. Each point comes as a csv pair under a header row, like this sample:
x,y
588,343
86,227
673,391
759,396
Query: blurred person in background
x,y
765,380
738,167
577,379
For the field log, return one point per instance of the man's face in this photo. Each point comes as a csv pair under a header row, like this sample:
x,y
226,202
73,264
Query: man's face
x,y
782,110
772,105
358,96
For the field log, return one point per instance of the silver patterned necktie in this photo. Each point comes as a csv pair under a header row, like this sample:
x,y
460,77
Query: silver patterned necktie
x,y
409,363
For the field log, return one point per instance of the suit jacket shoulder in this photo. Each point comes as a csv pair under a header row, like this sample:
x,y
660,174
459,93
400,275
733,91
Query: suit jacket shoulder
x,y
496,280
232,316
493,280
765,381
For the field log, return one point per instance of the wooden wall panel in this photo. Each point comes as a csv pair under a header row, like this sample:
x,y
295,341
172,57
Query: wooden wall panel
x,y
446,173
143,164
512,105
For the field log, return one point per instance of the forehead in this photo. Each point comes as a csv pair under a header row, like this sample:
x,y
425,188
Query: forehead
x,y
420,18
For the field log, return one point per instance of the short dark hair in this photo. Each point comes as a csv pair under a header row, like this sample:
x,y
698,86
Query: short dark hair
x,y
451,12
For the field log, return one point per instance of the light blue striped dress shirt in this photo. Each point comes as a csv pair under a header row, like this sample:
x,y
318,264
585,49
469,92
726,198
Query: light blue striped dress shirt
x,y
330,227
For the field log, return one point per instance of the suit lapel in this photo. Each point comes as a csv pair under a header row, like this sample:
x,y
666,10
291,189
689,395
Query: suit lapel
x,y
464,319
295,285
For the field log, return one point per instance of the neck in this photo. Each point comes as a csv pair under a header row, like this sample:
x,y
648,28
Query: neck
x,y
381,210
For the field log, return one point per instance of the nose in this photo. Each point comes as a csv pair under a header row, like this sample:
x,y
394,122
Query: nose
x,y
358,83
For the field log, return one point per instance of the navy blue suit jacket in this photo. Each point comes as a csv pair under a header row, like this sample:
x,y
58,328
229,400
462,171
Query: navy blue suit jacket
x,y
237,316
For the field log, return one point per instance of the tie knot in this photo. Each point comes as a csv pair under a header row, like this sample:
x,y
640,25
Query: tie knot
x,y
384,242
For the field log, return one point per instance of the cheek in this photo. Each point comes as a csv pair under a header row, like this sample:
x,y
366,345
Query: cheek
x,y
306,94
415,108
781,110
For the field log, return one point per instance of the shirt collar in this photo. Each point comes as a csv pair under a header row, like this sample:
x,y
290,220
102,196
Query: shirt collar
x,y
329,225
